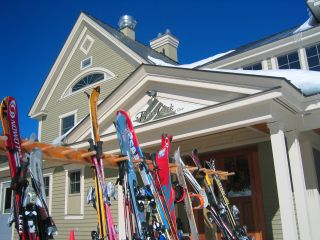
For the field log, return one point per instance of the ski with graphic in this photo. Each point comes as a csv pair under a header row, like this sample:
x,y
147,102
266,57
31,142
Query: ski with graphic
x,y
135,220
215,213
130,146
47,226
186,199
161,173
106,228
230,212
18,168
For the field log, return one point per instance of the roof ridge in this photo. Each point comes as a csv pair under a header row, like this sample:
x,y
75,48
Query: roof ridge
x,y
127,41
246,47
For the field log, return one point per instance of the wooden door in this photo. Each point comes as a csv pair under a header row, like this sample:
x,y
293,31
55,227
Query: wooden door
x,y
244,188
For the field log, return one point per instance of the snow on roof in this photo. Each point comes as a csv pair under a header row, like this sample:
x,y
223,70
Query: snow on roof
x,y
191,65
307,81
310,23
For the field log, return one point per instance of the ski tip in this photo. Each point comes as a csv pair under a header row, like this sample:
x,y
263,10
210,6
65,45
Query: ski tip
x,y
177,154
195,151
87,94
97,89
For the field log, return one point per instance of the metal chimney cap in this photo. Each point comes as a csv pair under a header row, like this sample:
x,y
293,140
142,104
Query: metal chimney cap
x,y
127,21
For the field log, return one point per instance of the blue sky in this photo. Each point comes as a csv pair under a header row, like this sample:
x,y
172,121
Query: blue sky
x,y
33,33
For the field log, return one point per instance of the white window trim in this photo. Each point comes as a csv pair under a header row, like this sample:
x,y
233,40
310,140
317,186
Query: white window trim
x,y
1,203
87,37
74,112
50,175
67,169
81,67
68,91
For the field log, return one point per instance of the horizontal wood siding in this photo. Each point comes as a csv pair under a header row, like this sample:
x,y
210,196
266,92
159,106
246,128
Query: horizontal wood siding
x,y
82,227
270,194
103,55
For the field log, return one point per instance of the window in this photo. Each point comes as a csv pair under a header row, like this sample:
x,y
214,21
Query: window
x,y
6,198
257,66
67,123
46,181
88,80
313,56
74,191
74,181
289,61
86,44
86,63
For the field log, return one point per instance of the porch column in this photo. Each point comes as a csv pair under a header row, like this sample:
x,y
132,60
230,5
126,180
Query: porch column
x,y
299,185
280,158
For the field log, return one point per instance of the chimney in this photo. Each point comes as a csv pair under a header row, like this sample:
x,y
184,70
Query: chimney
x,y
127,26
166,44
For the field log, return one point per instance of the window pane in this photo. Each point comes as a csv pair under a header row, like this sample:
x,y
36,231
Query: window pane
x,y
46,181
317,68
67,124
293,57
290,61
282,60
286,66
257,66
313,56
74,178
295,65
313,61
88,80
7,200
311,51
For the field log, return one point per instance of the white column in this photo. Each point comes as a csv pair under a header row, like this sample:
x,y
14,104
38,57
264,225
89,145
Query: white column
x,y
264,64
274,63
121,220
280,158
303,58
299,185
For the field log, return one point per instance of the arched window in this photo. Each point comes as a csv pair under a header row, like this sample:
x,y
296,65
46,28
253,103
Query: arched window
x,y
88,80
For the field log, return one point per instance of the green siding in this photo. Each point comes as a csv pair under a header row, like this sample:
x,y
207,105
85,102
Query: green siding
x,y
270,194
103,55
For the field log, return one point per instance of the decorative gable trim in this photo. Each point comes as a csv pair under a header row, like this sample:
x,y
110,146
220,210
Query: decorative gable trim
x,y
65,55
86,44
67,92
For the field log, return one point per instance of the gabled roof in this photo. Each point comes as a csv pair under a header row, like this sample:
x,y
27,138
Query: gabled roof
x,y
207,87
139,48
256,44
137,51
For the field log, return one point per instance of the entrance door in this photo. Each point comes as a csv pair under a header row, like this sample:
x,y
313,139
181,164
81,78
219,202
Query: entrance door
x,y
244,188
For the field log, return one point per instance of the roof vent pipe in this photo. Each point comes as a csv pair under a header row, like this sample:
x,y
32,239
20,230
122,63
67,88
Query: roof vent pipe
x,y
127,25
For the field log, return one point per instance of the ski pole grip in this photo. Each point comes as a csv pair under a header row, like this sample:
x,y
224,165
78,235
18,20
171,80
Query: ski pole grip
x,y
153,159
99,149
91,145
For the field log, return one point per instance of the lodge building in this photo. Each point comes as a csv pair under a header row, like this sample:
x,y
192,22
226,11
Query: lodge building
x,y
260,126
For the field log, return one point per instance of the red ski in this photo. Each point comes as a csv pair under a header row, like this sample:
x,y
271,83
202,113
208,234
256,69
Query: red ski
x,y
9,119
162,173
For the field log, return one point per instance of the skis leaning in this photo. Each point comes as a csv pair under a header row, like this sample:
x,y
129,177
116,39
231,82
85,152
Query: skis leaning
x,y
106,228
129,146
38,186
187,200
9,119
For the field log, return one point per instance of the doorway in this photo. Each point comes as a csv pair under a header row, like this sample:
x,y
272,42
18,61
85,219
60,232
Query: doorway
x,y
244,187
